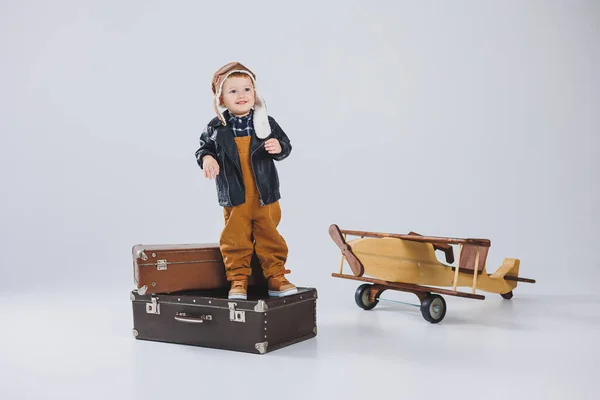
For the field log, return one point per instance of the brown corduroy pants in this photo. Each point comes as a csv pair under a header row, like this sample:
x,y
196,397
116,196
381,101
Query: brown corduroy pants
x,y
249,221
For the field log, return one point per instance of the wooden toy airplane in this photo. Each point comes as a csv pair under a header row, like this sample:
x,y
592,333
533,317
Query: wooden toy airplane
x,y
408,263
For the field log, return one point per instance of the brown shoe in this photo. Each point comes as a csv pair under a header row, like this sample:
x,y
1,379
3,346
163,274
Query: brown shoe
x,y
279,286
238,289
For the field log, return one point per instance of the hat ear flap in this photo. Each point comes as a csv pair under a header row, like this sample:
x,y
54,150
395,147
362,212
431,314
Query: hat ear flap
x,y
262,128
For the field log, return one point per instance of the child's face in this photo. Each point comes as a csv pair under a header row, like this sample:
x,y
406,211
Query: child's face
x,y
238,95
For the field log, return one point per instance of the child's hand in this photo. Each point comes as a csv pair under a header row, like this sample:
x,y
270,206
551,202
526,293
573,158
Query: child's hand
x,y
273,146
210,167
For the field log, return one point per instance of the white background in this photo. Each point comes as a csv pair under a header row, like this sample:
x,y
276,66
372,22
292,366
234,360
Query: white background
x,y
448,118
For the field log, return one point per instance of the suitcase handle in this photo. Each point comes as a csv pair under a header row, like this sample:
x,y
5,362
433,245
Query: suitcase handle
x,y
182,317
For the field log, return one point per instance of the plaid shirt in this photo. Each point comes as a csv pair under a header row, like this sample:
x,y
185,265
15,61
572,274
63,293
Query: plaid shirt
x,y
242,126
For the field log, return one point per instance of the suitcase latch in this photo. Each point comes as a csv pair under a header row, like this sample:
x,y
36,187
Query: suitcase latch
x,y
161,265
153,307
236,315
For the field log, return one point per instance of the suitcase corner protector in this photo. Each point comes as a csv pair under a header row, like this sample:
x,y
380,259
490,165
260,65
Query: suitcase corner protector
x,y
142,291
261,306
261,347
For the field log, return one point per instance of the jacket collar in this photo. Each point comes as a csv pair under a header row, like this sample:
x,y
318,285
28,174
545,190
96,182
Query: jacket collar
x,y
223,135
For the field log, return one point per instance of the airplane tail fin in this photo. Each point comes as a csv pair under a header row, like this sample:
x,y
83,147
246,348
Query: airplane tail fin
x,y
509,269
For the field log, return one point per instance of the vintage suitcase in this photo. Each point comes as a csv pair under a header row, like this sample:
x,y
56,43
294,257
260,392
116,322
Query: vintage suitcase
x,y
257,325
167,268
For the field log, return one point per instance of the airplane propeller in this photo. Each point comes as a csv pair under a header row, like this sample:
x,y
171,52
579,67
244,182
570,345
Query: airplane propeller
x,y
355,265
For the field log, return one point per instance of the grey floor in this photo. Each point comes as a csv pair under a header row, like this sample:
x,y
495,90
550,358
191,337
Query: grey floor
x,y
537,346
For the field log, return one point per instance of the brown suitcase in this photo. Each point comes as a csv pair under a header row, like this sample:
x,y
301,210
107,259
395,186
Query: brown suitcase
x,y
257,325
167,268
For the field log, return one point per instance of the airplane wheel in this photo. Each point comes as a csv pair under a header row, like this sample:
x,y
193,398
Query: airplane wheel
x,y
361,296
433,308
507,296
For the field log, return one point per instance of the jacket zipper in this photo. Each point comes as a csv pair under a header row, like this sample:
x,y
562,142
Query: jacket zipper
x,y
256,180
214,138
227,182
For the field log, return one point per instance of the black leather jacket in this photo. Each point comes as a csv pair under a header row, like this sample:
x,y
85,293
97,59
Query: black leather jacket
x,y
217,140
